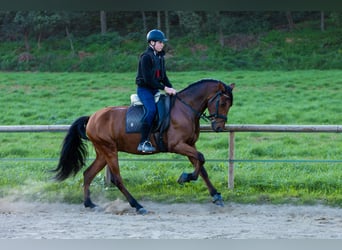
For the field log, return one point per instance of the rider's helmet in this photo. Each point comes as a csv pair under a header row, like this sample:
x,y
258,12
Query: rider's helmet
x,y
155,35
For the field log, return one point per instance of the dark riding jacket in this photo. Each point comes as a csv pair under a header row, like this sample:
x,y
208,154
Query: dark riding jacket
x,y
151,70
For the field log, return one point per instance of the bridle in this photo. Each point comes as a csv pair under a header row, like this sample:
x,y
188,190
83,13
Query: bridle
x,y
215,115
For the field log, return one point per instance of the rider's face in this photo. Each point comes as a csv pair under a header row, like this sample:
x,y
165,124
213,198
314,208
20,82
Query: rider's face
x,y
158,46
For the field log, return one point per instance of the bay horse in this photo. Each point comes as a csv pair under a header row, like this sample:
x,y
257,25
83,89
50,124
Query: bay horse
x,y
106,130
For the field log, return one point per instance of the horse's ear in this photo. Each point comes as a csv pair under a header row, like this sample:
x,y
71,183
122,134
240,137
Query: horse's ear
x,y
230,87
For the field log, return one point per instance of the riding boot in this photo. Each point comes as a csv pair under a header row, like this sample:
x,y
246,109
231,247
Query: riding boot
x,y
145,145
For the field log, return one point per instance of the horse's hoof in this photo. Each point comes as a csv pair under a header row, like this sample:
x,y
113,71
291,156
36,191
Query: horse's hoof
x,y
183,178
142,211
217,200
89,204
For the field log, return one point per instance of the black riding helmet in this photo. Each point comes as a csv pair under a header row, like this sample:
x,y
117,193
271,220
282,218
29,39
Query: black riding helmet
x,y
156,35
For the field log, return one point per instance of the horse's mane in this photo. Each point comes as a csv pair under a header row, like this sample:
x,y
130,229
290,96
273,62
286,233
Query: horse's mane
x,y
196,84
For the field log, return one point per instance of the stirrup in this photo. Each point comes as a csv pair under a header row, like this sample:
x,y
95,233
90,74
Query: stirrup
x,y
146,147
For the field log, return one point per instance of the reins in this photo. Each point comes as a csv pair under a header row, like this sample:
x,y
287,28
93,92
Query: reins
x,y
198,114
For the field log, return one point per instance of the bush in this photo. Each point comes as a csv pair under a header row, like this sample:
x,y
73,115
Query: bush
x,y
303,48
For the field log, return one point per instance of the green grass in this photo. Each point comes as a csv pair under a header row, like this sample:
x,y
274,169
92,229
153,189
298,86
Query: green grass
x,y
268,97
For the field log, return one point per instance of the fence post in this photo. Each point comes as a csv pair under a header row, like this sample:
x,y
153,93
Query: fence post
x,y
108,176
231,162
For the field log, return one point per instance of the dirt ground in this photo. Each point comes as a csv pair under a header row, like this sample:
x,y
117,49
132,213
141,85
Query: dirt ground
x,y
117,220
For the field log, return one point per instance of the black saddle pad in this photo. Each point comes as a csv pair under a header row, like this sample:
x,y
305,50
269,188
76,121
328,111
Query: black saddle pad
x,y
133,118
135,114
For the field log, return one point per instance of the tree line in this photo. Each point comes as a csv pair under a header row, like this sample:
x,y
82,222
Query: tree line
x,y
39,25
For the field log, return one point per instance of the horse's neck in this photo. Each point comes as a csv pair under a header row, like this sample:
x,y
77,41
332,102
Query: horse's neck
x,y
196,100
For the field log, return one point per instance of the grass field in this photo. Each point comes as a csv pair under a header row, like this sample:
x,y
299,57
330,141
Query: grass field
x,y
268,97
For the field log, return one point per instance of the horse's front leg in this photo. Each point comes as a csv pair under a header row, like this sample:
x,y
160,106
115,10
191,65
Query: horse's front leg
x,y
217,198
197,162
187,177
197,159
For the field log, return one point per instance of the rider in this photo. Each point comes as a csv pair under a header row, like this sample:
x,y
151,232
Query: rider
x,y
151,77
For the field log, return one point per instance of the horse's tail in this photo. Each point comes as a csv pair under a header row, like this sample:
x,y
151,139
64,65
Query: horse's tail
x,y
74,150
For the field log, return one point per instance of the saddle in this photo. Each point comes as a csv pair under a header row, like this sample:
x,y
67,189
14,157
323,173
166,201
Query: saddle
x,y
161,123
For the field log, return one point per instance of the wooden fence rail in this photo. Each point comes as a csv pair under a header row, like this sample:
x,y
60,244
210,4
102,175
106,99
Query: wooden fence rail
x,y
267,128
204,128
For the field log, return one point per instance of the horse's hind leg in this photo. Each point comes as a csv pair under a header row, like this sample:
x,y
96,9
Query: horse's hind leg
x,y
113,164
88,175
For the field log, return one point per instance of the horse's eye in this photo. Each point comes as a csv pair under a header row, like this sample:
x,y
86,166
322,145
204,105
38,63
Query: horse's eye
x,y
224,102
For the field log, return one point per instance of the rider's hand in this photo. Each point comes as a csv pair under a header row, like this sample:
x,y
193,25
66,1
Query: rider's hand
x,y
170,91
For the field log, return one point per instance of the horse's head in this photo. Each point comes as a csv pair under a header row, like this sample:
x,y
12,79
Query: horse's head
x,y
218,106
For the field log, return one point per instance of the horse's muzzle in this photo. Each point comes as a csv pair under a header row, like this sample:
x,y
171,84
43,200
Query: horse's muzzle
x,y
217,128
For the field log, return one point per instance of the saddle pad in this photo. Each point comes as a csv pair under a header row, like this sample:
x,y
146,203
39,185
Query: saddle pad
x,y
133,119
135,100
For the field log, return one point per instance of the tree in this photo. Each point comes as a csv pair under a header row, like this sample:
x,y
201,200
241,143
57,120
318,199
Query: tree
x,y
167,24
220,24
190,22
67,19
44,23
322,21
35,23
103,20
143,15
290,20
158,20
23,21
336,18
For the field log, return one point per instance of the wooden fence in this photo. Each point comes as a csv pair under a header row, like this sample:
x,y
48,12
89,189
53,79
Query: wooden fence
x,y
268,128
205,128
